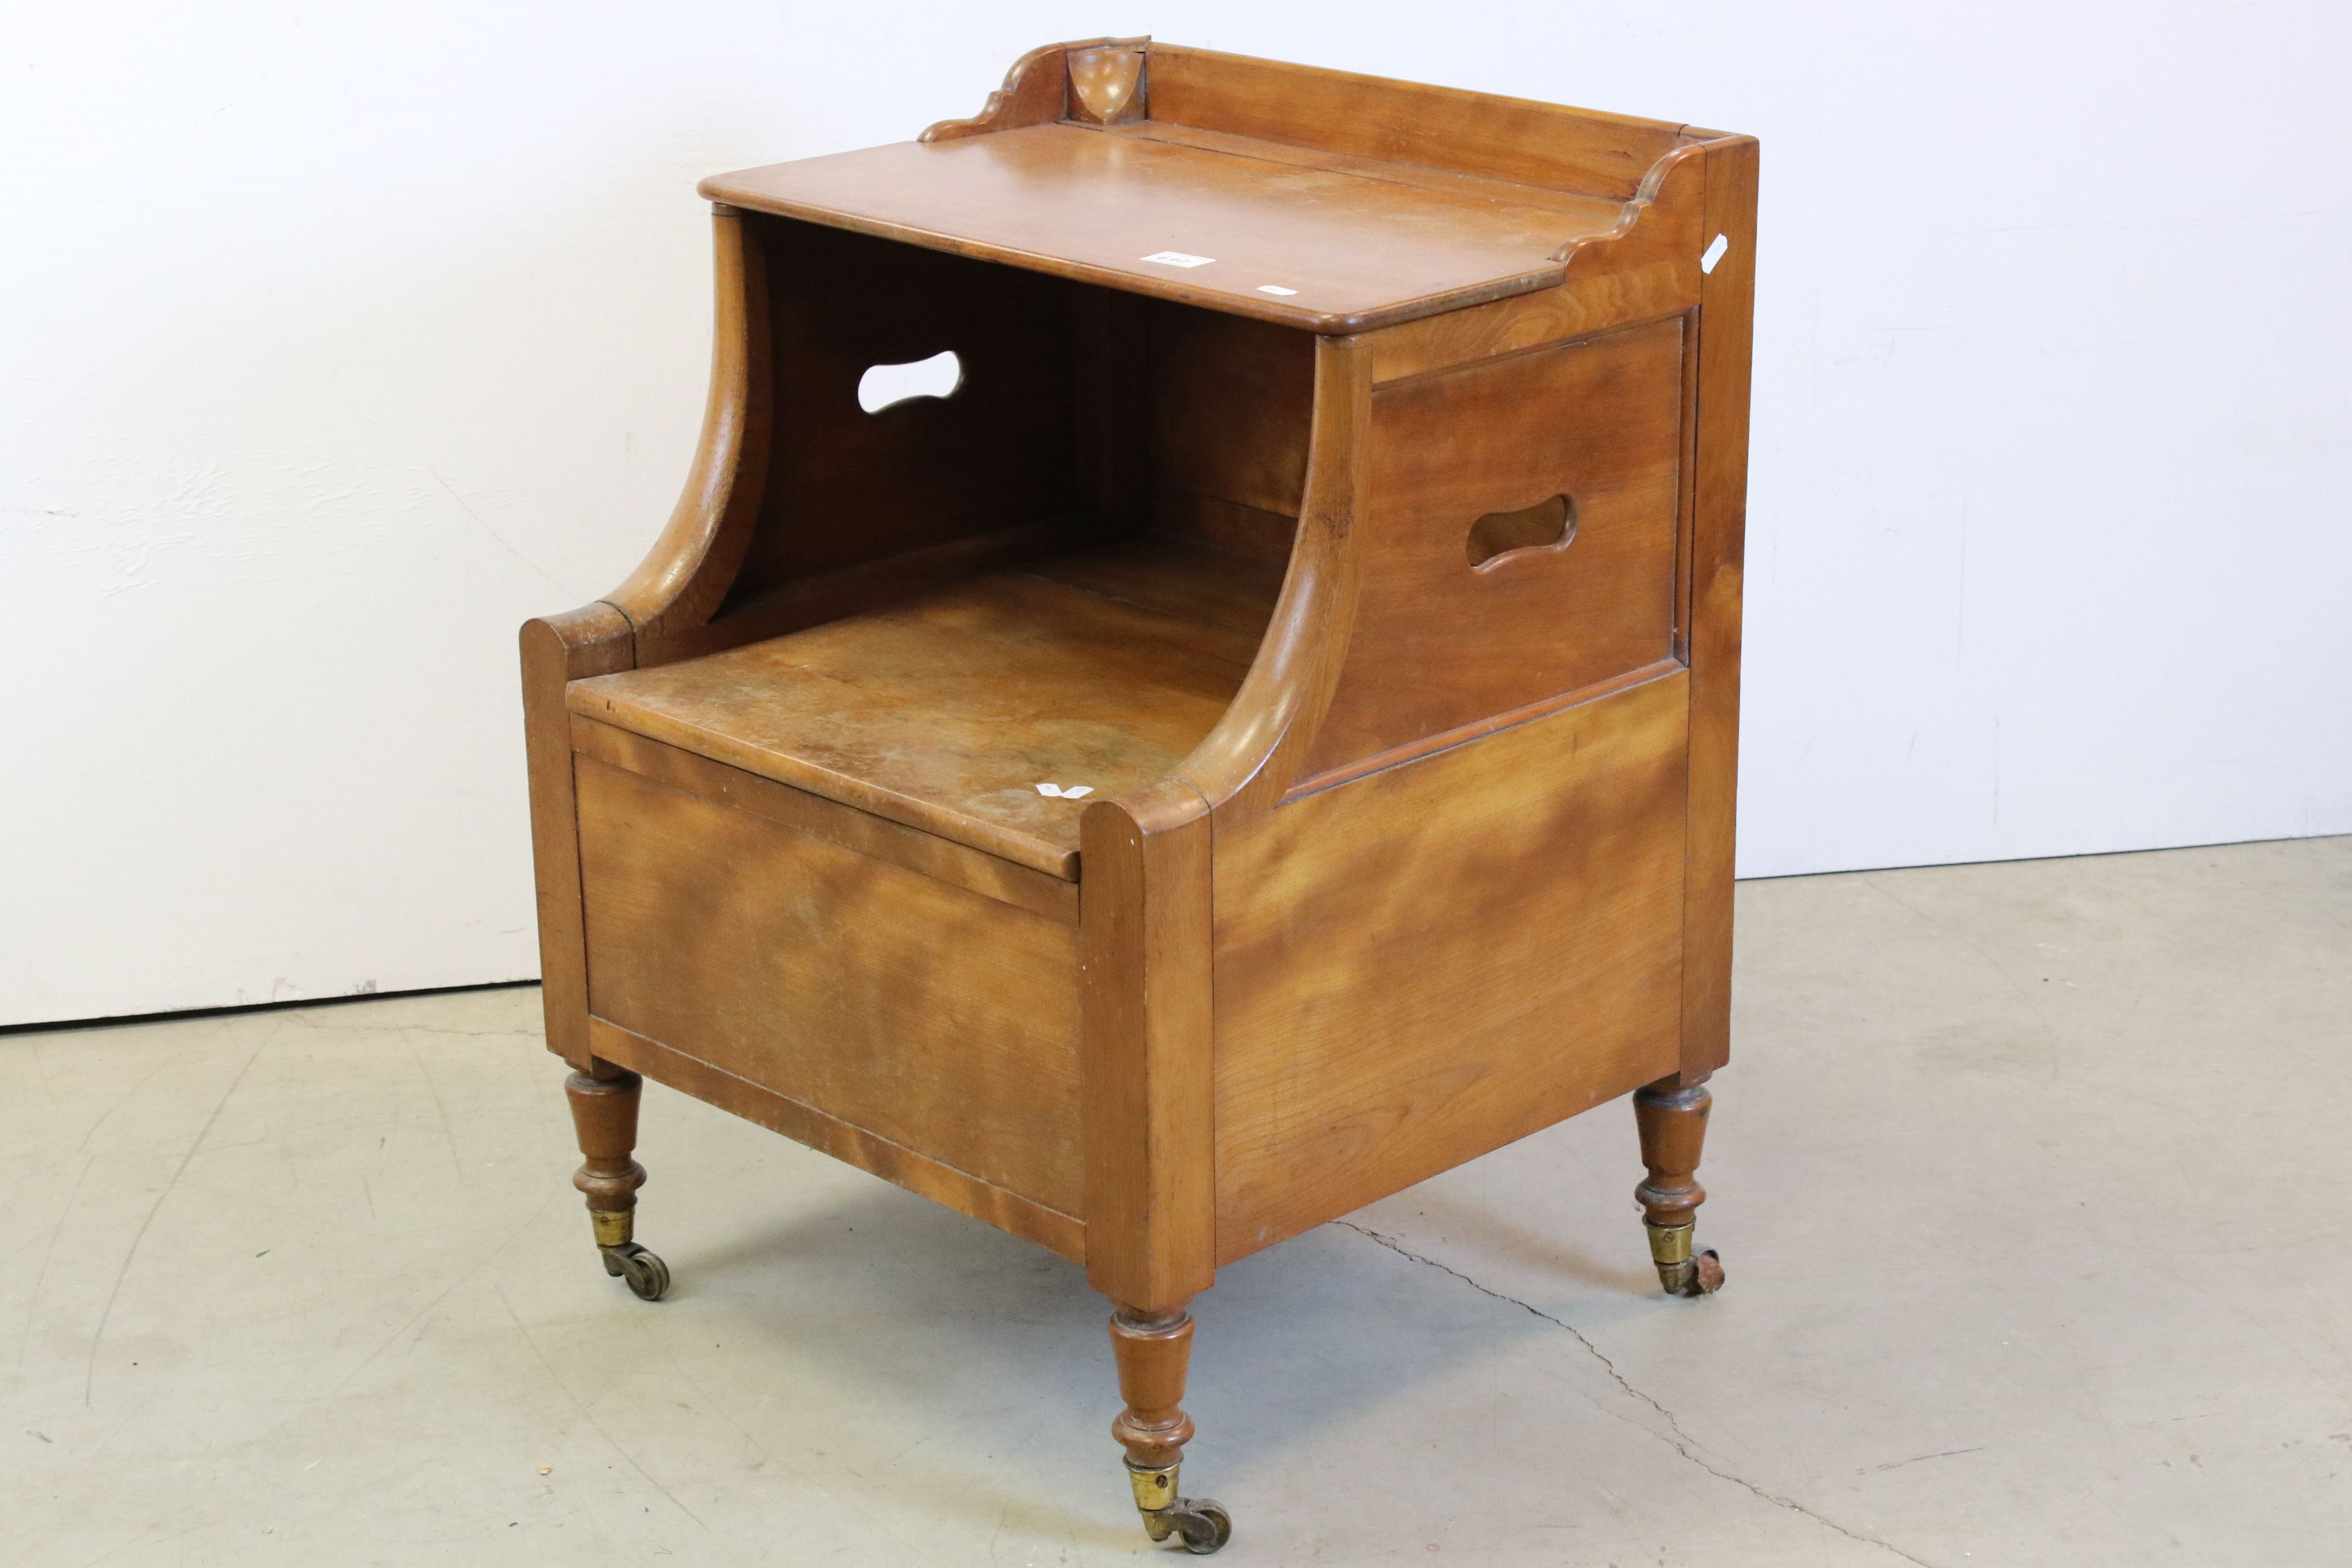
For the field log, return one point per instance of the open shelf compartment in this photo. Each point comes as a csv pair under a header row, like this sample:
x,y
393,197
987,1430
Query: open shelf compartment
x,y
1094,670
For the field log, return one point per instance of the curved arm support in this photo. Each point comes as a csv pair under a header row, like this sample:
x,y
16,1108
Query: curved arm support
x,y
681,583
1259,746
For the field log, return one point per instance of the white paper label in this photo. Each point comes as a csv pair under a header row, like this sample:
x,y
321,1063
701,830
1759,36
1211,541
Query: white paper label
x,y
1178,258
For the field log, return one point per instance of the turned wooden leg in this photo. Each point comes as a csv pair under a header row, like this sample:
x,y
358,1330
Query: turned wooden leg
x,y
604,1113
1154,1349
1673,1120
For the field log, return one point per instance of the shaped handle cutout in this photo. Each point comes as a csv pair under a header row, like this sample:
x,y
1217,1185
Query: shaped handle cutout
x,y
886,386
1500,536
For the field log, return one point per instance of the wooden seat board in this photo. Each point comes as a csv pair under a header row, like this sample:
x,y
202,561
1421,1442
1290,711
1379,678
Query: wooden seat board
x,y
1101,669
1353,250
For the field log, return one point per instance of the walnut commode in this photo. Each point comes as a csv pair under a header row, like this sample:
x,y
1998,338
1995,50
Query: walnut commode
x,y
1257,730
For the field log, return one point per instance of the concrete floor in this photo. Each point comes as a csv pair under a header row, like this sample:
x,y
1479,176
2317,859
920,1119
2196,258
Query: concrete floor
x,y
2030,1180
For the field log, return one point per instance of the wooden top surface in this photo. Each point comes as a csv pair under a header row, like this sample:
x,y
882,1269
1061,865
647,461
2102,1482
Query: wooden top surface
x,y
1357,243
1101,668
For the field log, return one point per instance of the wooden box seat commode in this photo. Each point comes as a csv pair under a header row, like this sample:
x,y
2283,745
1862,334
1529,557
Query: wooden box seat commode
x,y
1257,731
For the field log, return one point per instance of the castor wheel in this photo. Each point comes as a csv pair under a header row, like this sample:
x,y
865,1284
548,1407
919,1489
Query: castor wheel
x,y
1201,1525
648,1274
1707,1273
1681,1272
1699,1275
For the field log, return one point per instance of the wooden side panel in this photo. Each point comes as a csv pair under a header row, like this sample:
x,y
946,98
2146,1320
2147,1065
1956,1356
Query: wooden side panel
x,y
1529,320
1269,537
846,487
1439,644
1647,267
1406,123
692,567
868,587
1232,398
1427,963
1727,313
935,1017
1009,1212
1171,575
556,650
937,857
1150,1106
1111,364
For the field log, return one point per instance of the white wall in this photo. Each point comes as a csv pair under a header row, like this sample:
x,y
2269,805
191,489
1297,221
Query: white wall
x,y
336,341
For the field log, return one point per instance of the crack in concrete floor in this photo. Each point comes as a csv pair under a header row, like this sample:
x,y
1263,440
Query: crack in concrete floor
x,y
1675,1436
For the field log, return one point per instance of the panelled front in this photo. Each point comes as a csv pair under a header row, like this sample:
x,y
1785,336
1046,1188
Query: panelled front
x,y
1418,966
926,1013
1519,540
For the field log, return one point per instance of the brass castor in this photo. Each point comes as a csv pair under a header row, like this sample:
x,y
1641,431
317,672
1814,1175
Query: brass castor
x,y
1201,1525
1678,1271
648,1274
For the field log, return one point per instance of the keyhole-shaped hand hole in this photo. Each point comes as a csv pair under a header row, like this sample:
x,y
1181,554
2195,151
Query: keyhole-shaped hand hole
x,y
1501,536
885,385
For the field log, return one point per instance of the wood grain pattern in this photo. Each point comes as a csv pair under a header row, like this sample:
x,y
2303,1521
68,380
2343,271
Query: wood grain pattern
x,y
1477,133
946,713
1437,645
1446,956
1587,213
895,1162
934,857
1269,536
1033,94
1154,1352
1356,252
937,1018
556,650
1719,530
1243,766
604,1119
821,597
1670,1119
1175,576
1111,364
1647,267
1230,402
846,487
1148,1049
692,566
